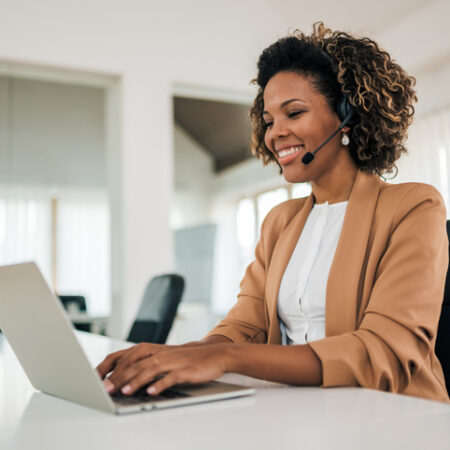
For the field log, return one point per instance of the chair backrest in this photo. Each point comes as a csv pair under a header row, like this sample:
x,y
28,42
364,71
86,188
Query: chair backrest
x,y
443,335
158,309
73,303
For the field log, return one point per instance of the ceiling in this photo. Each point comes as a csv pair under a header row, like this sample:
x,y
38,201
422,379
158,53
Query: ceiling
x,y
222,128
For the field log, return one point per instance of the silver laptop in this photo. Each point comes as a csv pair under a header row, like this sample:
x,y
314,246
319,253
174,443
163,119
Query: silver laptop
x,y
42,337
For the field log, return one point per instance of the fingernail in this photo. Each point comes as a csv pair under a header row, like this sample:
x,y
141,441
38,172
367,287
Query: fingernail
x,y
126,389
151,390
108,385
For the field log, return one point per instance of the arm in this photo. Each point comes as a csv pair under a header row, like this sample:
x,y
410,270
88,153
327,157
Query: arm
x,y
294,364
127,357
200,363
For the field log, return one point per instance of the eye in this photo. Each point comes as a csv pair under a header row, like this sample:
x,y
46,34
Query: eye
x,y
268,124
294,114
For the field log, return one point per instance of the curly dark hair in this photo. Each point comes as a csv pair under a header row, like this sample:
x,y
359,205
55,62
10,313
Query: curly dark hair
x,y
380,91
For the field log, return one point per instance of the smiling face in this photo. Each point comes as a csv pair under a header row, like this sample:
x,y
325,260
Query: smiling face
x,y
299,119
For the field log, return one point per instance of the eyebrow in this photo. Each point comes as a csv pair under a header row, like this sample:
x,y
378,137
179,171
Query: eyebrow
x,y
286,103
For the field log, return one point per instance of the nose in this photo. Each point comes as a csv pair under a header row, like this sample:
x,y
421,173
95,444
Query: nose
x,y
278,129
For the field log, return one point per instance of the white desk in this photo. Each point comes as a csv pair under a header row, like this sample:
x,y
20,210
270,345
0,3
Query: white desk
x,y
277,417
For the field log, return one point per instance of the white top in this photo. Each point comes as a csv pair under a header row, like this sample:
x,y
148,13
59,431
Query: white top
x,y
302,294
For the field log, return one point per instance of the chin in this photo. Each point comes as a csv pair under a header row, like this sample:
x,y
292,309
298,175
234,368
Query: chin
x,y
295,176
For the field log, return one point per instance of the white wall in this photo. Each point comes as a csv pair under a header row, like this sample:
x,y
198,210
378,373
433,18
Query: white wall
x,y
193,176
56,133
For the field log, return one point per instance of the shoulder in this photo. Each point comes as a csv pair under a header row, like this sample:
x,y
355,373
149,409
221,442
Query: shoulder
x,y
406,195
413,190
410,199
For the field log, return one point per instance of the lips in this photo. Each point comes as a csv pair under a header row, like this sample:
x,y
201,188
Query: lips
x,y
287,154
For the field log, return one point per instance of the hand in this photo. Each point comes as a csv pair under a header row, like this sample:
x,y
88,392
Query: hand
x,y
124,358
140,365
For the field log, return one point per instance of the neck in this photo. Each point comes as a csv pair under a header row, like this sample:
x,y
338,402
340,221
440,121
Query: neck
x,y
336,185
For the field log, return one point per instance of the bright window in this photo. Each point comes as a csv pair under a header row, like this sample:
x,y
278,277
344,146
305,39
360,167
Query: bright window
x,y
246,223
81,236
25,224
83,250
266,201
250,214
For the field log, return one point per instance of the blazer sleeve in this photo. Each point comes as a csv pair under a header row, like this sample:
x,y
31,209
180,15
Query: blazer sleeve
x,y
246,321
397,333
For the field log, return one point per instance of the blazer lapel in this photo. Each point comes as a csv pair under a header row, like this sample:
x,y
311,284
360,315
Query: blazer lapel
x,y
280,258
345,273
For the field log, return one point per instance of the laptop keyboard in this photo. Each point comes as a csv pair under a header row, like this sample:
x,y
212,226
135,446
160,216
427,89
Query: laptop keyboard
x,y
141,396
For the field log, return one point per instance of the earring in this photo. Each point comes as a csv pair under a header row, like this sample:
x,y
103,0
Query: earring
x,y
345,139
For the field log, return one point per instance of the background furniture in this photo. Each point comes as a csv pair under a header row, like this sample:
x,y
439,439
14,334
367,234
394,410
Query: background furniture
x,y
75,304
158,309
443,335
76,308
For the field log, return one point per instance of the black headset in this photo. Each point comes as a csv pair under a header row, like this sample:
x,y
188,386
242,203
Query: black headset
x,y
346,113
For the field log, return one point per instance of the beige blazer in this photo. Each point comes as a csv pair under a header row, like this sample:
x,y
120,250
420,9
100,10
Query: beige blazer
x,y
384,290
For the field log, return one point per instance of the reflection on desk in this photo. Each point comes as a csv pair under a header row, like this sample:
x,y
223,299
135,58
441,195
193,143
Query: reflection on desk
x,y
277,417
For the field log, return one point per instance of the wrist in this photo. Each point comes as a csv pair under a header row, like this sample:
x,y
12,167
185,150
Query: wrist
x,y
231,357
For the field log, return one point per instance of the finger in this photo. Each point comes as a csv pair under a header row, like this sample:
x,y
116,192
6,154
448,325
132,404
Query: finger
x,y
141,379
109,363
172,378
121,358
136,375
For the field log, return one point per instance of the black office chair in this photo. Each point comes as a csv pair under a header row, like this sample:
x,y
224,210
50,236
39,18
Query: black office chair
x,y
158,309
443,335
75,303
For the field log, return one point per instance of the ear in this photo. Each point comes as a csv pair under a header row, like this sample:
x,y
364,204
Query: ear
x,y
345,129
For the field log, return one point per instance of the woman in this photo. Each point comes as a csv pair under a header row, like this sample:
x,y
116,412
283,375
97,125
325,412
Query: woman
x,y
351,277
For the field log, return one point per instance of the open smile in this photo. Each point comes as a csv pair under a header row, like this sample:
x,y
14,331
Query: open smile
x,y
287,155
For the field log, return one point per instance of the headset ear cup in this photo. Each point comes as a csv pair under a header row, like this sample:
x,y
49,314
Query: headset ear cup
x,y
346,111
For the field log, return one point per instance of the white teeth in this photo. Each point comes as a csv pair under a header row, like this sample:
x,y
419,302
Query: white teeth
x,y
289,151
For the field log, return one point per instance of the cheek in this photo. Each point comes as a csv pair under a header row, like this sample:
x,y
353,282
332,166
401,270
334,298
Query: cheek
x,y
267,141
306,126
